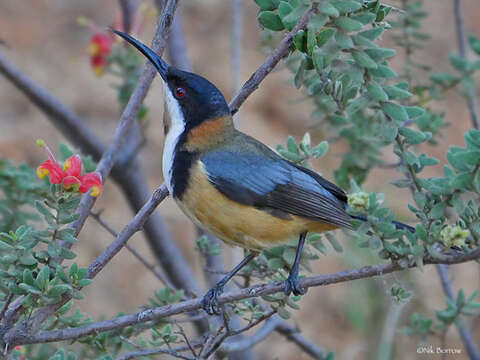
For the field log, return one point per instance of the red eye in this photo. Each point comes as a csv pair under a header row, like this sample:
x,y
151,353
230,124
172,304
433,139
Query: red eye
x,y
179,92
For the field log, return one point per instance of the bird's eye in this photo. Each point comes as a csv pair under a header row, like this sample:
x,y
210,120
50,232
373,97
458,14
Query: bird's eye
x,y
179,92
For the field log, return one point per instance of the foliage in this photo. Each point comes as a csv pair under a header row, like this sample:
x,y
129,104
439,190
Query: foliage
x,y
340,65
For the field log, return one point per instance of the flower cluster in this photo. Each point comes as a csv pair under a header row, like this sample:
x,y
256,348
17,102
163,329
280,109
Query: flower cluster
x,y
70,175
99,48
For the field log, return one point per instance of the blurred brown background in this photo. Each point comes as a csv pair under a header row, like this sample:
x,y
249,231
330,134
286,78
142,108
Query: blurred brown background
x,y
45,41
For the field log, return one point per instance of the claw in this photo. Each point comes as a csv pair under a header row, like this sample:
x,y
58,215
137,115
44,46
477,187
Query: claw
x,y
210,300
291,285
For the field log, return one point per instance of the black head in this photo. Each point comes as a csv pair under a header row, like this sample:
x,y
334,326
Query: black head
x,y
196,97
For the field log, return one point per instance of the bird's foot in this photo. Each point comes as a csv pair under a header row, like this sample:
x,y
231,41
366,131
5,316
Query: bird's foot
x,y
291,285
210,300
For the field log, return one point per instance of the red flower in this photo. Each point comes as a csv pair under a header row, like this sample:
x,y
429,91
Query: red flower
x,y
99,48
70,176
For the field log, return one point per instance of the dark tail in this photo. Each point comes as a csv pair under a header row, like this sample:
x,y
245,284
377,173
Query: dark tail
x,y
398,225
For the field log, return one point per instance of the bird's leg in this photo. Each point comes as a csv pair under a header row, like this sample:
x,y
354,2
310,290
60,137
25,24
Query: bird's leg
x,y
210,300
291,284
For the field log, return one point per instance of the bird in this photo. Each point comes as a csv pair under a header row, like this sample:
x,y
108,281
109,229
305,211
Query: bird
x,y
232,185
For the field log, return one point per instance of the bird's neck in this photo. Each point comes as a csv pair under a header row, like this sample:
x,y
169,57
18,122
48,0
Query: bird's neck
x,y
209,134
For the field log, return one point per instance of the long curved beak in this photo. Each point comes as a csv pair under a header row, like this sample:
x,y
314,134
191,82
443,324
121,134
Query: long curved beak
x,y
156,60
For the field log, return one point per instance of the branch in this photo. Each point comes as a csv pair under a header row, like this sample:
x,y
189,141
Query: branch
x,y
147,352
254,291
462,329
130,112
129,8
62,117
462,51
275,56
158,274
292,334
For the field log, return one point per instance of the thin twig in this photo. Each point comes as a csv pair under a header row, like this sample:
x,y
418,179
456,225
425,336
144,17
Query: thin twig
x,y
147,352
275,56
185,338
267,328
252,324
462,51
465,334
292,334
158,274
130,112
20,337
5,306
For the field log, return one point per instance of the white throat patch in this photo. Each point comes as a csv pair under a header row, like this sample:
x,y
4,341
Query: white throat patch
x,y
177,127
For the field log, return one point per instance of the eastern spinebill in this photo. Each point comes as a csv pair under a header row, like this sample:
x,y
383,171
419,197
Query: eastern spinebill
x,y
232,185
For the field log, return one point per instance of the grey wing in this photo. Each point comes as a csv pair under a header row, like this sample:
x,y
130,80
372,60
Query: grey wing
x,y
275,185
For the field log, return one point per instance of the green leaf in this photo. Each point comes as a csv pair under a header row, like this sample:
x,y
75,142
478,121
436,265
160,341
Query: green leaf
x,y
284,9
412,136
414,111
84,282
320,150
395,92
268,4
474,44
270,20
324,35
373,33
401,183
28,277
30,289
347,6
363,60
459,63
383,71
42,209
443,78
292,18
379,54
328,9
300,41
395,111
43,278
438,211
65,151
333,241
27,260
472,139
292,145
5,247
343,40
437,186
376,92
289,255
311,41
348,24
275,263
58,290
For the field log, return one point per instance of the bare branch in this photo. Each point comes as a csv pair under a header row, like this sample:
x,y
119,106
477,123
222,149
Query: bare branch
x,y
292,334
465,334
62,117
129,8
275,56
5,306
254,291
135,225
247,343
462,51
177,49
